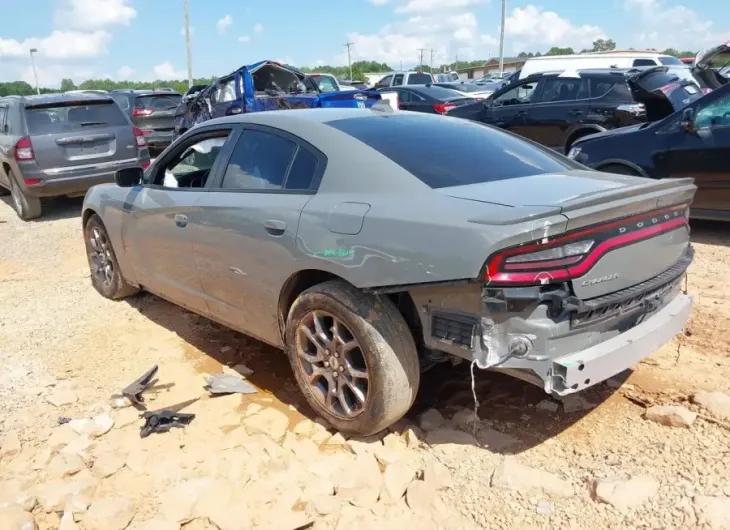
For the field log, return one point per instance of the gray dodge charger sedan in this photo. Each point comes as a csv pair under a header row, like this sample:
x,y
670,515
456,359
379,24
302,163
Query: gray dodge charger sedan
x,y
371,244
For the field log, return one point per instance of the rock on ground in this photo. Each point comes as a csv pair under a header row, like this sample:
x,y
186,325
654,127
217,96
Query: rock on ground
x,y
713,511
671,415
512,475
106,464
626,494
396,479
438,475
717,403
15,518
94,427
62,397
10,445
431,419
112,513
421,497
271,422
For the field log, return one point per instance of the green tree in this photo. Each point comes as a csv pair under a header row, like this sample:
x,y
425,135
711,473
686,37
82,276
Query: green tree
x,y
555,50
603,45
67,84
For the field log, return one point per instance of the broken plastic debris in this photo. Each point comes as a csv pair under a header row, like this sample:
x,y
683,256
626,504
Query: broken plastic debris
x,y
134,391
228,384
163,420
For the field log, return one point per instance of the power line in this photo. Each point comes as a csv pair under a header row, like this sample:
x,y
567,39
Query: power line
x,y
349,45
420,51
187,43
501,38
430,64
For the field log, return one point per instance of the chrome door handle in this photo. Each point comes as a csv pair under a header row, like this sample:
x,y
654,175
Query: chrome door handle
x,y
275,227
181,220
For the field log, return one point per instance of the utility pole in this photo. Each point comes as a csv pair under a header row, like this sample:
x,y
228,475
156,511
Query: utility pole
x,y
430,64
501,38
349,45
35,74
420,59
188,53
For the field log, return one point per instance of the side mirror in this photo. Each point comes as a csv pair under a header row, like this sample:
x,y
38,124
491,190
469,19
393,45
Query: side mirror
x,y
128,177
687,122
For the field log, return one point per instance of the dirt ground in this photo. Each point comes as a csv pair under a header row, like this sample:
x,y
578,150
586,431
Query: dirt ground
x,y
258,461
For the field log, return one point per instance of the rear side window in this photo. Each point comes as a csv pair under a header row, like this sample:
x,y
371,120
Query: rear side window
x,y
158,102
620,92
600,87
443,152
419,79
52,119
3,116
398,80
302,171
644,62
563,89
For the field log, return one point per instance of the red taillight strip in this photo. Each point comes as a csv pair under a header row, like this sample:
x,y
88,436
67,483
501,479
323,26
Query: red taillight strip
x,y
548,264
590,259
496,262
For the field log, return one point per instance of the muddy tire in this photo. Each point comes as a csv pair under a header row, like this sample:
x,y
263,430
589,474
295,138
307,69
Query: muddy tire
x,y
362,349
26,207
106,277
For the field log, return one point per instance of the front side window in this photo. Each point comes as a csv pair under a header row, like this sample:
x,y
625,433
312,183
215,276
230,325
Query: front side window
x,y
325,83
644,62
191,167
715,114
385,81
520,95
226,92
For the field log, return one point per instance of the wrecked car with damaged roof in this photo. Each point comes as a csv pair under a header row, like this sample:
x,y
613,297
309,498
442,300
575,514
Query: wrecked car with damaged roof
x,y
262,86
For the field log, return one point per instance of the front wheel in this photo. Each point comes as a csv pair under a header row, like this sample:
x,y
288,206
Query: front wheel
x,y
353,357
106,277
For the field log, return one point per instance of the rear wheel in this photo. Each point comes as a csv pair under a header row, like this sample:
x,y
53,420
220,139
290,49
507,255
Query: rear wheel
x,y
106,277
620,169
353,357
26,207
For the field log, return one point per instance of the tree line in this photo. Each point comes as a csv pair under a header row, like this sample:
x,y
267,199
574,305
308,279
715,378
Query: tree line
x,y
359,69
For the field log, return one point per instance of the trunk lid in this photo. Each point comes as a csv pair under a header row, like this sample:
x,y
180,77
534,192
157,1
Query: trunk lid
x,y
156,112
589,199
709,63
661,91
77,133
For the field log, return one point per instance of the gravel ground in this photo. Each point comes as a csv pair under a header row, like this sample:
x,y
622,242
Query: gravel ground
x,y
529,462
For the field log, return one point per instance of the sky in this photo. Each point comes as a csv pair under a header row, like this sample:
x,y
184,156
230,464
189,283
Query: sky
x,y
144,39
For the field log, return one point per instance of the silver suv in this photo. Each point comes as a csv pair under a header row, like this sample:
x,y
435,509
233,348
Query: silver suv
x,y
55,145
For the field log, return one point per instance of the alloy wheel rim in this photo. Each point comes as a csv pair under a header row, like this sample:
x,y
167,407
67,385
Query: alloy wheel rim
x,y
333,364
102,265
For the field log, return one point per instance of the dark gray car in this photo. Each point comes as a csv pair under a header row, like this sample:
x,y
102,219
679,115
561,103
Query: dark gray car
x,y
152,111
62,144
371,244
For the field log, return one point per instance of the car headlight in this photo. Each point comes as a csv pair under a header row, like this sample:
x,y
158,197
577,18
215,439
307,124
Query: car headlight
x,y
574,152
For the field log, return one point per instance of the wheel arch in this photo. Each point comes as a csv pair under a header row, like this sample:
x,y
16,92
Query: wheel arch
x,y
579,132
86,215
304,279
621,162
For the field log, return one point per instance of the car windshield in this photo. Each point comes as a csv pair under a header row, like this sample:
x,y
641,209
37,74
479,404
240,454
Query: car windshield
x,y
71,117
158,101
444,152
670,61
325,83
419,79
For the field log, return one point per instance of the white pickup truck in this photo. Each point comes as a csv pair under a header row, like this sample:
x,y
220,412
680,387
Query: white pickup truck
x,y
328,83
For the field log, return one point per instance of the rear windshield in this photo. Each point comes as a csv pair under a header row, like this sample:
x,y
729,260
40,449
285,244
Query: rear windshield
x,y
439,93
158,101
51,119
669,61
419,79
444,152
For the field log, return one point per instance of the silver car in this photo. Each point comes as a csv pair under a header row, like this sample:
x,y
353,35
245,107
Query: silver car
x,y
372,244
62,144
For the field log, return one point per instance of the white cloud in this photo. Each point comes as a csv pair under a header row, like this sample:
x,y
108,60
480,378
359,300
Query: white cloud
x,y
258,28
166,71
429,6
664,25
125,72
93,14
224,23
244,38
50,75
463,35
59,45
532,26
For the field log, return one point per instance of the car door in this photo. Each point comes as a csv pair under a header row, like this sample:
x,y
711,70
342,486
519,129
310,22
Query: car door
x,y
704,152
509,109
561,105
246,228
157,234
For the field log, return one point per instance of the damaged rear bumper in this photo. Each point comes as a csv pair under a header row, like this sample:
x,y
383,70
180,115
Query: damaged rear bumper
x,y
580,370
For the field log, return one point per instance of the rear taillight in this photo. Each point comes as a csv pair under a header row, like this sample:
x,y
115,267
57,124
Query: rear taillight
x,y
139,137
443,108
142,112
23,150
567,256
31,182
145,164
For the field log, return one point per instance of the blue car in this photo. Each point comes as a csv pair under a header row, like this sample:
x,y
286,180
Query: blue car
x,y
266,85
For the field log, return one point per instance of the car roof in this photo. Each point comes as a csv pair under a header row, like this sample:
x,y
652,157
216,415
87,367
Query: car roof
x,y
50,99
137,92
